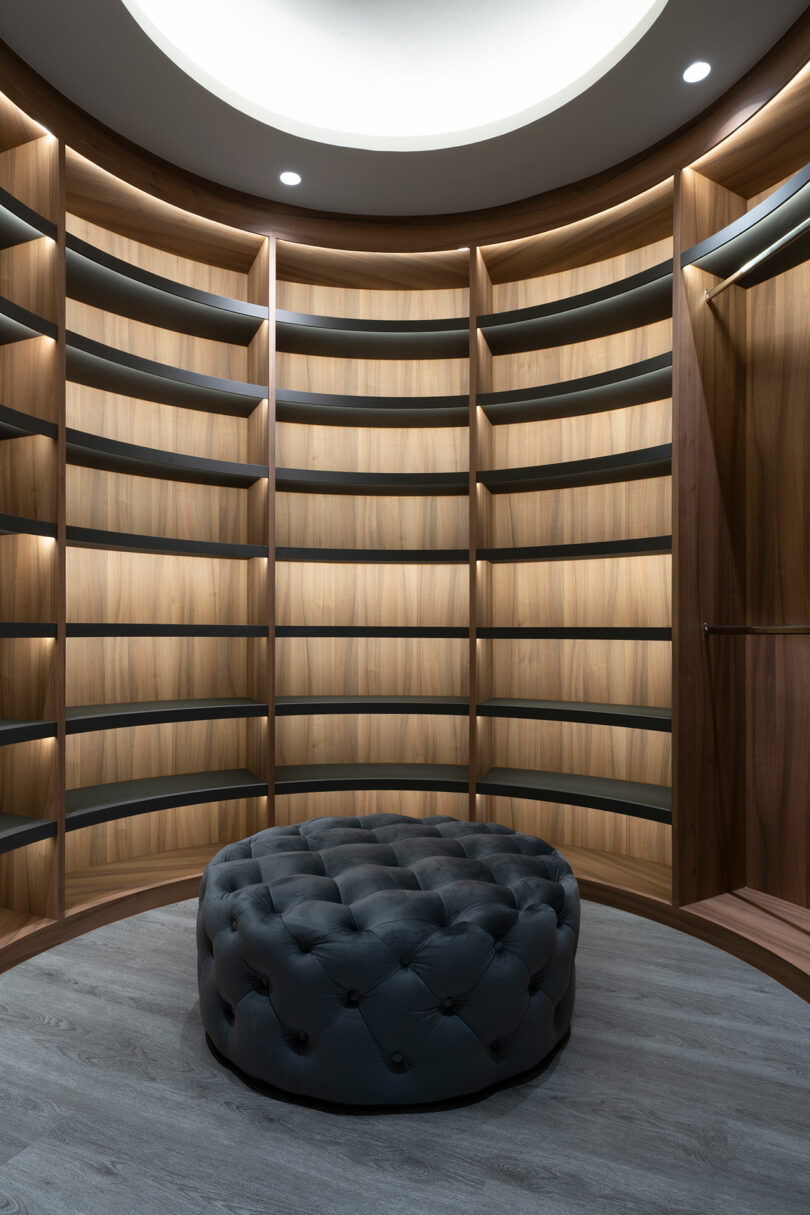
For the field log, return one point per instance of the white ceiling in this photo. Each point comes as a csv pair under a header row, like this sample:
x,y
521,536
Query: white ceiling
x,y
95,53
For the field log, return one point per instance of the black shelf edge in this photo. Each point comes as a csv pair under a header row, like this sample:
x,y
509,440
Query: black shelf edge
x,y
164,630
297,706
345,337
638,800
21,629
321,778
378,556
338,630
82,719
17,830
95,804
307,481
640,299
14,525
644,463
91,537
18,324
634,384
20,223
105,367
104,281
326,409
645,546
583,633
96,451
14,731
636,717
727,250
14,425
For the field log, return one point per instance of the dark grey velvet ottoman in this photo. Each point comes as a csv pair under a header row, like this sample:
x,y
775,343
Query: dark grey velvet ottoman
x,y
387,960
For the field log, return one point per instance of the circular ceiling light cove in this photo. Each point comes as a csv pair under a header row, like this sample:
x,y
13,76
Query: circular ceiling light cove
x,y
697,71
398,75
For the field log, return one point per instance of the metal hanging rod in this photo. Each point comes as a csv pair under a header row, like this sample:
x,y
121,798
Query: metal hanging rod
x,y
756,630
758,258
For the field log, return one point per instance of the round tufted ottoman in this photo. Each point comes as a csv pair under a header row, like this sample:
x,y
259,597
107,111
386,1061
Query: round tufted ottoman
x,y
387,960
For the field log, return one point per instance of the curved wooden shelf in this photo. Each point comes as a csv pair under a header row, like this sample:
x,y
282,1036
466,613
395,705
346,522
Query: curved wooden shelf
x,y
121,799
638,300
350,338
15,425
646,545
635,717
15,525
12,730
18,324
92,537
96,451
82,719
78,629
112,370
732,247
377,556
17,830
352,630
327,409
313,481
297,706
20,224
107,282
563,633
23,628
637,465
322,778
638,800
635,384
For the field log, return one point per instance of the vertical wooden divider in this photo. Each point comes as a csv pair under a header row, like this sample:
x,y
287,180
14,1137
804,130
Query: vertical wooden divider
x,y
56,909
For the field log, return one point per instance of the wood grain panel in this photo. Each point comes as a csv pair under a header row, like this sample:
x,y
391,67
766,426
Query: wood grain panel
x,y
145,588
592,512
373,377
102,756
580,827
30,173
28,276
544,288
371,666
28,477
15,126
346,594
122,887
603,672
388,305
113,670
581,438
25,674
28,779
164,427
589,750
27,585
704,208
216,279
630,591
372,449
29,373
346,521
367,738
153,507
297,807
27,877
535,367
348,269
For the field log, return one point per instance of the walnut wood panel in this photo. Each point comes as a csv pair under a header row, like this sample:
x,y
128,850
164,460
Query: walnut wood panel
x,y
708,564
591,512
15,126
28,779
381,305
28,477
296,807
154,507
367,738
204,277
29,375
575,827
543,288
601,672
372,449
26,881
345,594
589,750
30,173
650,879
583,437
633,592
371,666
704,208
103,756
151,588
164,427
25,677
535,367
778,768
348,269
113,670
27,584
373,377
133,884
15,926
346,521
28,276
162,345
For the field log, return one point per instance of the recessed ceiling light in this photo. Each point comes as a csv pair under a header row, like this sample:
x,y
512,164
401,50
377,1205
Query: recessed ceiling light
x,y
290,178
697,71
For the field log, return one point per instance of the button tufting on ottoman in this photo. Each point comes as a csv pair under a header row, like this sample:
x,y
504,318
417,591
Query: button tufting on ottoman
x,y
387,960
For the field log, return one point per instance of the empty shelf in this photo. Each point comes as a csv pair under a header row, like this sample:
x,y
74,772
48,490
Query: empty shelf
x,y
107,282
638,300
327,409
109,629
16,831
320,778
24,628
95,451
81,719
635,384
14,525
15,425
91,537
646,545
378,556
602,470
313,481
105,803
19,224
362,630
293,706
17,324
636,717
577,633
345,337
12,730
638,800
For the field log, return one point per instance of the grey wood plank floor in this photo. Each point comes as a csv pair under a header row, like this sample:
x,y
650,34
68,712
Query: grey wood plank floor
x,y
683,1090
